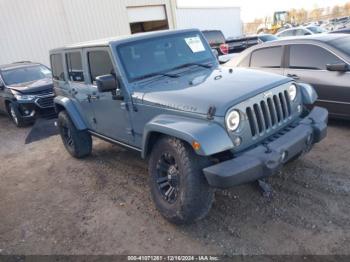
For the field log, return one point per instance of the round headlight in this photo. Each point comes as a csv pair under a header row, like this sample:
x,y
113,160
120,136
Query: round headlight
x,y
292,92
232,120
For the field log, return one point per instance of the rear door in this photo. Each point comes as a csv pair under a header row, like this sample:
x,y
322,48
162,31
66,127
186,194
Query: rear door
x,y
307,63
78,88
268,59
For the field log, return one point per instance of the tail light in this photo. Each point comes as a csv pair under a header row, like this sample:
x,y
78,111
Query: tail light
x,y
224,49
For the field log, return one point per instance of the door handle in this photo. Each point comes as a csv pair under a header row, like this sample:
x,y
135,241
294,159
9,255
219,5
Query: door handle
x,y
294,76
92,97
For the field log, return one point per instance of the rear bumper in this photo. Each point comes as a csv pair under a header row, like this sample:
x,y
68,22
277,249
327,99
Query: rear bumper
x,y
266,160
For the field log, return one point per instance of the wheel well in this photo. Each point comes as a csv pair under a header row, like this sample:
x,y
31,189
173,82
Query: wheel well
x,y
59,108
154,137
7,103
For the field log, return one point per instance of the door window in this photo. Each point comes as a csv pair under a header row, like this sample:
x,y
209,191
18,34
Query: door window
x,y
287,33
100,64
267,57
311,57
299,32
57,67
75,67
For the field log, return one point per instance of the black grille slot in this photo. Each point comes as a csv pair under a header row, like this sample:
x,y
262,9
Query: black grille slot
x,y
45,102
268,113
252,123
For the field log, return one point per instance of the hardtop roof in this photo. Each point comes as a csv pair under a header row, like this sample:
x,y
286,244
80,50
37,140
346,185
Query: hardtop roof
x,y
111,40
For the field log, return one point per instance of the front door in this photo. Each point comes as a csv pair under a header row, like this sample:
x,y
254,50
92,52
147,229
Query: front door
x,y
307,63
110,116
268,59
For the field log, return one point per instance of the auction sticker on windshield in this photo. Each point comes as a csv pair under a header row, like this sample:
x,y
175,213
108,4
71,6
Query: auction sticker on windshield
x,y
195,43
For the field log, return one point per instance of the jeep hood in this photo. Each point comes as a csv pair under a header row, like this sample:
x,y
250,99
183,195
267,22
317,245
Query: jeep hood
x,y
196,92
33,86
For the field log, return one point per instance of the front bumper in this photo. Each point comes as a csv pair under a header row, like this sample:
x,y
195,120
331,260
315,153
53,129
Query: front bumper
x,y
267,159
29,110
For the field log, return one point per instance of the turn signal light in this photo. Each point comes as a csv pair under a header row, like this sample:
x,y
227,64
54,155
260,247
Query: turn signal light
x,y
196,146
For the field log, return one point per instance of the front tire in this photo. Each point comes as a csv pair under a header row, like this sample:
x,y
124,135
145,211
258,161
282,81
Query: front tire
x,y
178,187
16,116
78,143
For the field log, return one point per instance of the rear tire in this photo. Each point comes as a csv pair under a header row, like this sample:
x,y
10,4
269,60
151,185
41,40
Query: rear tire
x,y
78,143
178,186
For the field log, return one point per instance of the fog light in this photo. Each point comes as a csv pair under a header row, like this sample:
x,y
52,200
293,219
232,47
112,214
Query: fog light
x,y
309,139
237,141
300,109
284,156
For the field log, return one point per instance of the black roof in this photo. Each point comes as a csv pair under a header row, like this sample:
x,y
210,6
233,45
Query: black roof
x,y
17,65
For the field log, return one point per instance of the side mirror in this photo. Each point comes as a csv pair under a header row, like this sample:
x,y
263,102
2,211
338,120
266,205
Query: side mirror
x,y
307,33
341,67
2,86
108,83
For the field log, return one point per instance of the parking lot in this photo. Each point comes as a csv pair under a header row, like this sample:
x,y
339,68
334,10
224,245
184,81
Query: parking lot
x,y
54,204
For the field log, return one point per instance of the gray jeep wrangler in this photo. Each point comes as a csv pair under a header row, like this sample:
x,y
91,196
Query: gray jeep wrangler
x,y
201,126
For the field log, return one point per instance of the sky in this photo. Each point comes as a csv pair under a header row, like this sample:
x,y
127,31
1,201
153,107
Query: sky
x,y
255,9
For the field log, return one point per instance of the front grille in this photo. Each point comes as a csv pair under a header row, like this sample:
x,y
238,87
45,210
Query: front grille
x,y
269,113
45,102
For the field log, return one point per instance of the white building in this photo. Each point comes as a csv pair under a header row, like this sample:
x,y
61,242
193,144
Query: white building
x,y
30,28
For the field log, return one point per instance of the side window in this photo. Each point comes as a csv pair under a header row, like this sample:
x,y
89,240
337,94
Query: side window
x,y
310,57
301,32
99,64
245,61
287,33
57,67
267,57
75,67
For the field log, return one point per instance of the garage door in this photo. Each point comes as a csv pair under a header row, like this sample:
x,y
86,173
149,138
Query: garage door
x,y
146,13
147,18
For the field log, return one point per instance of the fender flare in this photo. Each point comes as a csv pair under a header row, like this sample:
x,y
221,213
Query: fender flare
x,y
68,105
212,137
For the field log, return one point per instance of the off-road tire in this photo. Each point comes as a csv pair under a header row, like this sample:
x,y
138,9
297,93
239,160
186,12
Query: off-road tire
x,y
79,143
15,116
195,196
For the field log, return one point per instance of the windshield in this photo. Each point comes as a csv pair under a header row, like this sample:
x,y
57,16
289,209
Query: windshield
x,y
25,74
316,29
160,55
343,44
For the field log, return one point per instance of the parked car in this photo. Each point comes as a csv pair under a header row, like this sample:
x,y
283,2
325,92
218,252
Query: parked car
x,y
301,31
216,40
320,60
201,126
341,31
26,91
238,44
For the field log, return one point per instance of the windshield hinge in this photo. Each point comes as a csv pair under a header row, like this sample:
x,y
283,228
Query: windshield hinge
x,y
211,112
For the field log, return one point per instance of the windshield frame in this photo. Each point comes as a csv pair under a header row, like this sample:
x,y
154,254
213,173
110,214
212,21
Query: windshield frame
x,y
117,47
20,68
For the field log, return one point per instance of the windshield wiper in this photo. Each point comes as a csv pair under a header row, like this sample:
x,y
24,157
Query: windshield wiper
x,y
156,74
192,64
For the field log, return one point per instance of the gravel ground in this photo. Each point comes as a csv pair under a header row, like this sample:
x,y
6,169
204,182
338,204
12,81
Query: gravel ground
x,y
51,203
